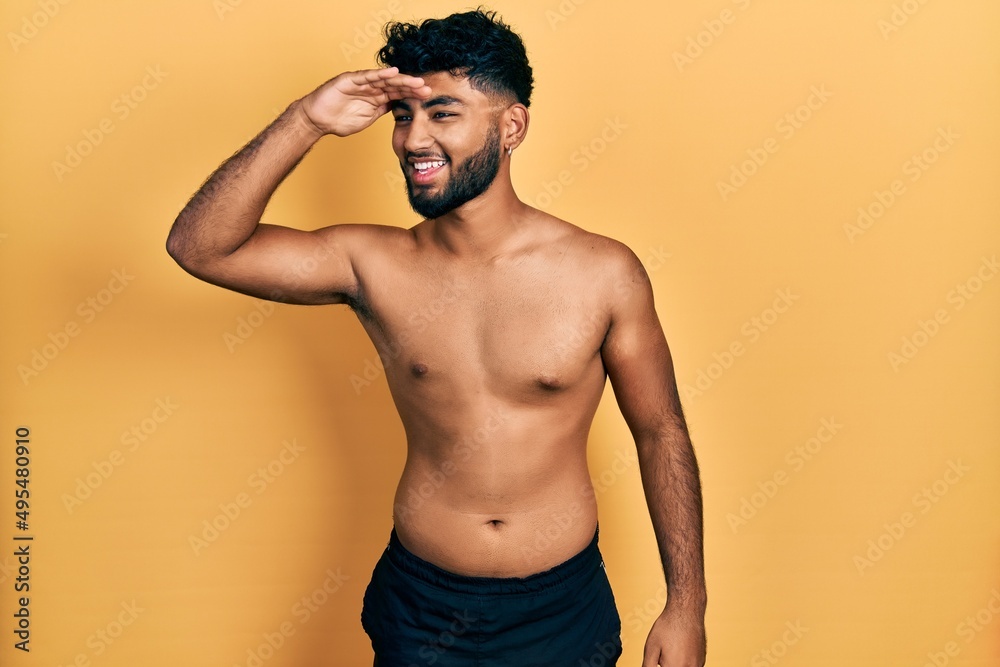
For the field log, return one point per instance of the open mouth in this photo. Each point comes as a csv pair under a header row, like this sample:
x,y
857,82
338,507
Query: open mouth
x,y
424,172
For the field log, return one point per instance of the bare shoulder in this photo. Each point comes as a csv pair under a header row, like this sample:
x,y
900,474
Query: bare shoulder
x,y
605,259
364,246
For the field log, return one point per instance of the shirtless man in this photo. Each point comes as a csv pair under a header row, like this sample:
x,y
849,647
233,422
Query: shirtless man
x,y
493,557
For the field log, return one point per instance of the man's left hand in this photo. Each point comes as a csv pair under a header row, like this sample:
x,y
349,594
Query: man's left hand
x,y
675,640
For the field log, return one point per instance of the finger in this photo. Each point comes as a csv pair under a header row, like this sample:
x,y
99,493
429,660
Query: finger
x,y
369,75
364,80
400,93
384,96
387,76
395,89
402,82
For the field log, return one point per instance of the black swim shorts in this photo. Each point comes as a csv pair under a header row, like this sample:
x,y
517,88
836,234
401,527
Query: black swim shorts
x,y
420,615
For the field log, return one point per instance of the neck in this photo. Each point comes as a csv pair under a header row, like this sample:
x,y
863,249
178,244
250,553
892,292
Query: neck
x,y
484,227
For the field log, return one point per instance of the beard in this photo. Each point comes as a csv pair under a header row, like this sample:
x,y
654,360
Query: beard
x,y
468,180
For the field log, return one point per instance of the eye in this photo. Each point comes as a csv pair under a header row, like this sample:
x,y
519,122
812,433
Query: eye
x,y
443,114
400,118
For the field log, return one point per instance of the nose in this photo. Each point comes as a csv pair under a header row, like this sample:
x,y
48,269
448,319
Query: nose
x,y
417,136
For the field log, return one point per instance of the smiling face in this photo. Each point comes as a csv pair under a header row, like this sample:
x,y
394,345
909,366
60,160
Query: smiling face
x,y
448,145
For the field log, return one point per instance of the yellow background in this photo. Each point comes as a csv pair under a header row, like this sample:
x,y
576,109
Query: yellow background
x,y
670,99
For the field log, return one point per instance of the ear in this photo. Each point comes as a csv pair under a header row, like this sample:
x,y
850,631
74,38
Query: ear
x,y
513,125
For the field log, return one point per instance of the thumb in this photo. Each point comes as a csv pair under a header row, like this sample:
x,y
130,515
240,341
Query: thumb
x,y
650,656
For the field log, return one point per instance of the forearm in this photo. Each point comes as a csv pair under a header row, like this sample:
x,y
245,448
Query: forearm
x,y
672,487
224,213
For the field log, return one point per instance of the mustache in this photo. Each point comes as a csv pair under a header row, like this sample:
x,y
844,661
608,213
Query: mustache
x,y
427,156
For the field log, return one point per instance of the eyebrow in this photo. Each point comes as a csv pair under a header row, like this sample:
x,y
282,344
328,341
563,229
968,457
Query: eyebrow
x,y
440,100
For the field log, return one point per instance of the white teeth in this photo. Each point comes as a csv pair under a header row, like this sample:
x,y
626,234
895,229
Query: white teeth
x,y
424,166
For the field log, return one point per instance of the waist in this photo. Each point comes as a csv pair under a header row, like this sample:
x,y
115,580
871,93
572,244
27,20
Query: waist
x,y
477,524
565,573
498,544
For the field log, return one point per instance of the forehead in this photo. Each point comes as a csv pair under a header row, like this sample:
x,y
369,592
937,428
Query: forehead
x,y
448,85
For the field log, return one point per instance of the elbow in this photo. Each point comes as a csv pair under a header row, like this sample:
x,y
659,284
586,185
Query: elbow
x,y
192,258
183,253
177,250
181,246
173,248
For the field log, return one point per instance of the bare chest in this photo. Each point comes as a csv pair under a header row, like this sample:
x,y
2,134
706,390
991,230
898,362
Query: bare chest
x,y
503,329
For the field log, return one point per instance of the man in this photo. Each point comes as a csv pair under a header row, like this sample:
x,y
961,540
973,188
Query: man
x,y
497,325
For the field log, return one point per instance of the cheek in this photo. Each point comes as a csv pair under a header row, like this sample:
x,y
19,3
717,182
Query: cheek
x,y
455,144
398,139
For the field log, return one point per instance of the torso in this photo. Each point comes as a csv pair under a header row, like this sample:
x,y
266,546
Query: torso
x,y
495,369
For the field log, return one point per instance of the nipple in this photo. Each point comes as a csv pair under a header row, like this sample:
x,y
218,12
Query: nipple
x,y
549,382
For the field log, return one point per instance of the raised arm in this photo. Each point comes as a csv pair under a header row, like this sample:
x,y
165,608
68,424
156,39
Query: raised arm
x,y
638,363
218,236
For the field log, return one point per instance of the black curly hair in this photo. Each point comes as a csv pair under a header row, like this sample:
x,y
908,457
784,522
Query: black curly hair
x,y
475,44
